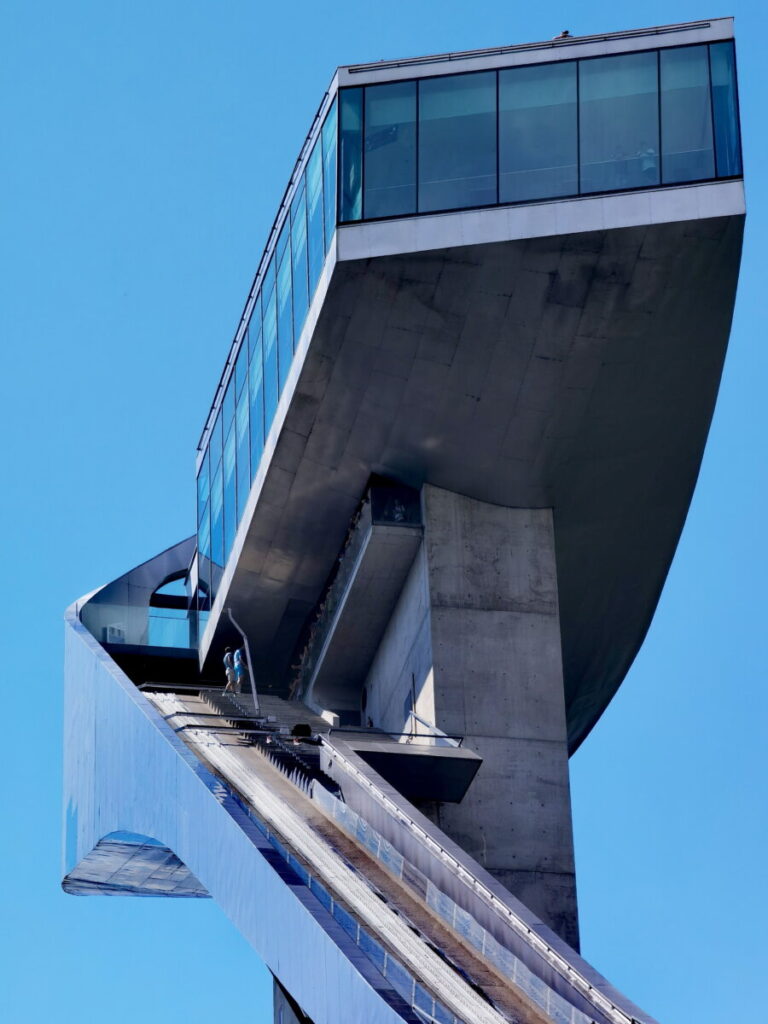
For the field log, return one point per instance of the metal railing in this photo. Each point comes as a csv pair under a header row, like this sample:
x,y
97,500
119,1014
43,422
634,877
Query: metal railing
x,y
539,945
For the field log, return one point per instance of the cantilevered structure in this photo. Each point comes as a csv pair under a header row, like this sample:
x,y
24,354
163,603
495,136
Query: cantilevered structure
x,y
439,489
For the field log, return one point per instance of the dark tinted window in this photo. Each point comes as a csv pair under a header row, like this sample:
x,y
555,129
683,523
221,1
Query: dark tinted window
x,y
271,386
687,152
725,104
329,172
256,392
315,232
284,317
619,122
299,261
351,155
242,441
390,149
538,146
457,141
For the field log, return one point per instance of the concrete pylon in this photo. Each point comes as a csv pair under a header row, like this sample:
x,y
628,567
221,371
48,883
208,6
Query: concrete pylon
x,y
498,681
484,662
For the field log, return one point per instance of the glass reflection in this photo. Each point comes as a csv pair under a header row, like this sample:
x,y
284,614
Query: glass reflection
x,y
351,155
390,149
686,115
230,510
457,141
228,406
284,309
619,122
217,517
299,261
203,485
215,444
256,392
538,145
241,367
271,383
315,239
725,105
329,173
243,455
250,400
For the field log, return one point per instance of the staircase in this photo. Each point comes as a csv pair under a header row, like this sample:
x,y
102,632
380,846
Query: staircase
x,y
298,759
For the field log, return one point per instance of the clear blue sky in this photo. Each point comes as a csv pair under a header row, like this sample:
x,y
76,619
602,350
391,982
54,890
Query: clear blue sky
x,y
144,148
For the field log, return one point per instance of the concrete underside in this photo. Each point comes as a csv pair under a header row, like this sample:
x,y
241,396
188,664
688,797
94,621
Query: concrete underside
x,y
576,372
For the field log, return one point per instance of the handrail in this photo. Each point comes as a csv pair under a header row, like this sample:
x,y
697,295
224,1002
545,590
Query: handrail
x,y
458,740
435,733
555,959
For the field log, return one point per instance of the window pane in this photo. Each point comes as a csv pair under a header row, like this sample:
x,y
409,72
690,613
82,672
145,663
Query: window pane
x,y
241,367
204,535
390,149
725,104
350,178
538,149
282,240
254,328
299,258
284,318
214,446
256,390
204,543
457,141
268,283
686,115
230,511
243,453
217,517
203,485
271,387
204,552
329,173
316,241
228,406
619,118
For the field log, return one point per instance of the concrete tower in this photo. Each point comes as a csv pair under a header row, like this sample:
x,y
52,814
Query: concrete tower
x,y
439,490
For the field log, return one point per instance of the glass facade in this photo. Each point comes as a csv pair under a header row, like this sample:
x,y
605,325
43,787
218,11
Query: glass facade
x,y
231,458
452,142
457,141
390,149
541,131
538,143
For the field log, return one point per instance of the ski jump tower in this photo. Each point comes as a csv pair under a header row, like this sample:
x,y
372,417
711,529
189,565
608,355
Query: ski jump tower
x,y
438,492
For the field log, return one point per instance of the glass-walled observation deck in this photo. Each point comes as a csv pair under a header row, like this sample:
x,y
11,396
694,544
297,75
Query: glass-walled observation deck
x,y
539,131
646,119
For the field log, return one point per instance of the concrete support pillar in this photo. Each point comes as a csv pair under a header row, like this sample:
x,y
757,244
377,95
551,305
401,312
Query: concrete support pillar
x,y
498,680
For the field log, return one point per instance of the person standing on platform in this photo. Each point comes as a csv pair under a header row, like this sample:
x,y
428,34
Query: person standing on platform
x,y
240,668
229,669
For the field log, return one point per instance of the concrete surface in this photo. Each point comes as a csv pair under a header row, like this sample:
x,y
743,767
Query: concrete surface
x,y
576,372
